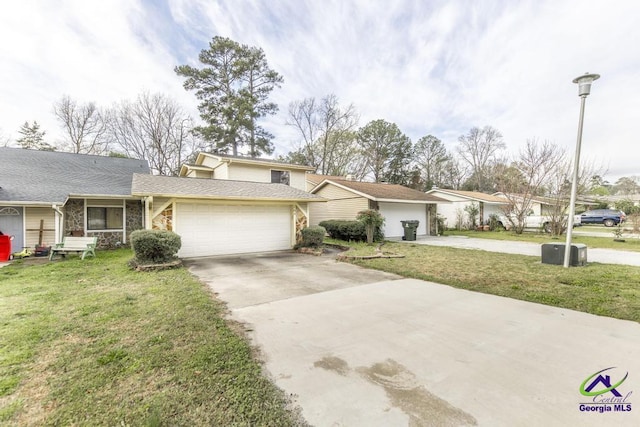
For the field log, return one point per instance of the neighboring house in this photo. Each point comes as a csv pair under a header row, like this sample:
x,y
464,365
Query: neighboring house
x,y
224,216
239,168
542,206
394,202
45,195
313,179
538,206
488,204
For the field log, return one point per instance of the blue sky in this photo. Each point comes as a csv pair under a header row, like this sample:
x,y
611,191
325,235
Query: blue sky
x,y
432,67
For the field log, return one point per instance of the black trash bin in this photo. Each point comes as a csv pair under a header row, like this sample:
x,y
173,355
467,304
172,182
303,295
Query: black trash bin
x,y
410,229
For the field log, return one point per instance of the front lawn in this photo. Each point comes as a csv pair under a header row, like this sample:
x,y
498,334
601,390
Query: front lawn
x,y
630,244
602,289
94,343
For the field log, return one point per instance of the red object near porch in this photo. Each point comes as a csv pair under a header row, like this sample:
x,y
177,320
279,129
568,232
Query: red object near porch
x,y
5,247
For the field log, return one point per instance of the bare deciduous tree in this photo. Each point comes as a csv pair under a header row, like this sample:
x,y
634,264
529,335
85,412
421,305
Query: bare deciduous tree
x,y
527,176
455,173
558,192
479,149
627,185
153,127
326,132
5,140
431,157
84,126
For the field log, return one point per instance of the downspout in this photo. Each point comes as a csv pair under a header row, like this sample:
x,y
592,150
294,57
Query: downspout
x,y
58,224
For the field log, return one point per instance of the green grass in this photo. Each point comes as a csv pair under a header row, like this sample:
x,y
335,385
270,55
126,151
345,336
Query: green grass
x,y
94,343
602,289
358,248
631,244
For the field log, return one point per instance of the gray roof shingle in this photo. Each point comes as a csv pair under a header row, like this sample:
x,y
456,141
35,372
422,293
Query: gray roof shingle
x,y
151,185
50,177
382,191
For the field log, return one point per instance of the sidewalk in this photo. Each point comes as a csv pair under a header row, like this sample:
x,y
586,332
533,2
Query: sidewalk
x,y
605,256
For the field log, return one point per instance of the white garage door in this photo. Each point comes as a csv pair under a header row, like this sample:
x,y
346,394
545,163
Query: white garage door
x,y
209,229
395,212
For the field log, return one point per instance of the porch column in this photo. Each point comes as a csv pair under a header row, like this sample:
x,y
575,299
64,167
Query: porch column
x,y
147,212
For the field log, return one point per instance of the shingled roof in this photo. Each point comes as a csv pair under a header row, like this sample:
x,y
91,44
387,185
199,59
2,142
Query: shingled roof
x,y
253,160
377,191
472,195
316,179
148,185
32,176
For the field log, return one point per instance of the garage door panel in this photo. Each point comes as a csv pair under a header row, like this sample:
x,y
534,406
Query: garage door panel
x,y
210,229
394,213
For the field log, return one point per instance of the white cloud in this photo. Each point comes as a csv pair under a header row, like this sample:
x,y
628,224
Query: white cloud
x,y
436,67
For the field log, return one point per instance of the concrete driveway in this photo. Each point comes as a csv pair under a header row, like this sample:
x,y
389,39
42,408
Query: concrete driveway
x,y
356,347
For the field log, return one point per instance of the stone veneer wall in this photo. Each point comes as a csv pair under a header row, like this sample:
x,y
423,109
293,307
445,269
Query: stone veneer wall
x,y
107,239
134,217
73,216
74,221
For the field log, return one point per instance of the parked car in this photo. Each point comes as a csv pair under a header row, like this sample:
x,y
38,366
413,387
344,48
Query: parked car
x,y
608,217
536,221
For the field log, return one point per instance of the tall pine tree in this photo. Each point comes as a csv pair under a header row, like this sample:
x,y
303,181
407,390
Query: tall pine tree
x,y
233,87
33,138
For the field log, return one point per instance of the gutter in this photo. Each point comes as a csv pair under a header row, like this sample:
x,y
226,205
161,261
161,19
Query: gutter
x,y
25,203
234,198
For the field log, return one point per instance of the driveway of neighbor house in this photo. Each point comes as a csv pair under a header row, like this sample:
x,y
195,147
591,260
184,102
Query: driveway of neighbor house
x,y
358,347
605,256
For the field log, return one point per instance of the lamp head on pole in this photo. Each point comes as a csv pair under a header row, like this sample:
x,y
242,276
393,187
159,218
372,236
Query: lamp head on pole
x,y
584,83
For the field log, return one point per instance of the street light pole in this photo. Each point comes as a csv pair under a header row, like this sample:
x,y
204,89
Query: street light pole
x,y
584,88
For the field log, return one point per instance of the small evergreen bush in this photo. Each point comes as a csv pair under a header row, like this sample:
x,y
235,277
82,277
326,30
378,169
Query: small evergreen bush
x,y
155,246
372,220
312,237
349,230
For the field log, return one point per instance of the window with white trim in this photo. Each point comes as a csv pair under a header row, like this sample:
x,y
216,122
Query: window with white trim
x,y
104,218
280,177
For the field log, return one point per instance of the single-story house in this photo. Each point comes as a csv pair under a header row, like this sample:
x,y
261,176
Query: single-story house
x,y
612,200
455,211
396,203
224,216
214,166
539,205
45,195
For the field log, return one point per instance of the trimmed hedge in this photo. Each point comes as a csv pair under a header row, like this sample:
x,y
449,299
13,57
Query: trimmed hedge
x,y
155,246
312,237
349,230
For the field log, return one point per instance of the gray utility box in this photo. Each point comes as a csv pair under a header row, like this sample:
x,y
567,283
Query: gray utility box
x,y
410,229
553,253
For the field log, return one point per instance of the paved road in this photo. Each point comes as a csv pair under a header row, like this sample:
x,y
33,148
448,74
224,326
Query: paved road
x,y
372,349
605,256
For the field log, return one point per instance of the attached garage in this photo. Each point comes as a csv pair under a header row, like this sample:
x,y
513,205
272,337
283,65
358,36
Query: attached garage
x,y
222,217
216,229
394,213
396,203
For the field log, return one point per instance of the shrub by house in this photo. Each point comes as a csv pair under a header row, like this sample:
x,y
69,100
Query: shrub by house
x,y
155,246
